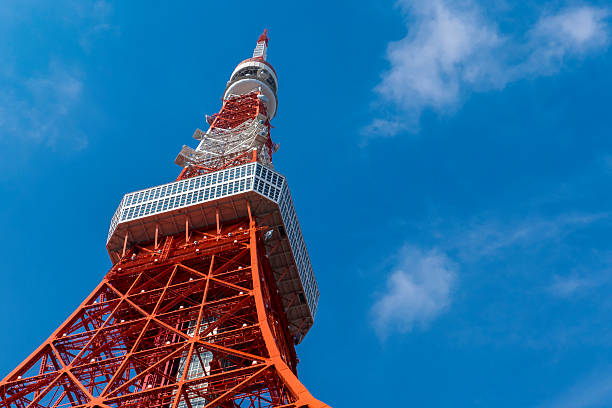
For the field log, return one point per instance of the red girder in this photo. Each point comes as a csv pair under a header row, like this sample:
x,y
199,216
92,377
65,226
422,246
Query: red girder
x,y
198,303
233,113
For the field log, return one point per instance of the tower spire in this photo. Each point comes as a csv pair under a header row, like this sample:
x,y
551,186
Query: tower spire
x,y
240,132
261,49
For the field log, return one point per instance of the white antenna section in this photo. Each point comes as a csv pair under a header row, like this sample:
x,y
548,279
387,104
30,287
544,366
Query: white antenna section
x,y
218,145
261,49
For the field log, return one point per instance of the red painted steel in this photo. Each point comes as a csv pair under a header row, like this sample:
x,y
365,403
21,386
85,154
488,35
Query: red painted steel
x,y
233,113
133,341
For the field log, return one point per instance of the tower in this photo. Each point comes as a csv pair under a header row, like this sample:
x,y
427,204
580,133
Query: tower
x,y
211,284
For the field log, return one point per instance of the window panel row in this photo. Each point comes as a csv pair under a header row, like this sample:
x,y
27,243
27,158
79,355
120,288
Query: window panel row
x,y
186,199
191,184
298,247
270,176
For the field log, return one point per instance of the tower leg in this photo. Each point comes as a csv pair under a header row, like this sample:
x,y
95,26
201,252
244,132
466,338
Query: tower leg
x,y
303,397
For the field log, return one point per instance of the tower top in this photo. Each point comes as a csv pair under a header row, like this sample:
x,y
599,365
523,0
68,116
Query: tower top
x,y
255,74
264,36
261,49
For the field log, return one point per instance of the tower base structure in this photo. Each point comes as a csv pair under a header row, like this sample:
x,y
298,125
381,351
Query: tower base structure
x,y
191,320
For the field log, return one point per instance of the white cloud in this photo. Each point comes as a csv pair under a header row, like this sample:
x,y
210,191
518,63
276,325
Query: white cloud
x,y
530,261
446,48
579,28
418,290
452,48
40,104
38,109
98,18
591,392
387,127
420,285
488,237
570,33
567,286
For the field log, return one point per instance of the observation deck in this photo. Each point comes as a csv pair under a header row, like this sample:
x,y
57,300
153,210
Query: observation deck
x,y
199,198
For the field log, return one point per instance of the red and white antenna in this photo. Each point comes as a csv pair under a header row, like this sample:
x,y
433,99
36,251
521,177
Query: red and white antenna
x,y
242,127
261,49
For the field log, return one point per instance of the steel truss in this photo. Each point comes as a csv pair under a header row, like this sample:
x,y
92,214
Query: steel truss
x,y
191,321
238,134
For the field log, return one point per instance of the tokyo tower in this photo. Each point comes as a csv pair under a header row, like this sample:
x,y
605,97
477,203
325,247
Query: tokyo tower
x,y
211,286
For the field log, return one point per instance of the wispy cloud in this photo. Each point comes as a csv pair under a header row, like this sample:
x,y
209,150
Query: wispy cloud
x,y
418,290
489,236
37,109
453,48
594,391
571,32
567,286
98,17
39,105
419,285
531,261
444,49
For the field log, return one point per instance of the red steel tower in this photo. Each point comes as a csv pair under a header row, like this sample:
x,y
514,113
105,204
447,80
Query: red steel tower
x,y
211,284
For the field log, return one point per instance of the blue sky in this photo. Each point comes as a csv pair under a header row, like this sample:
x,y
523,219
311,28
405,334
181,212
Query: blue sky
x,y
450,163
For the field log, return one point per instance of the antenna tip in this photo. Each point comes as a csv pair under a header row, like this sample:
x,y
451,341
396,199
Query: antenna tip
x,y
264,36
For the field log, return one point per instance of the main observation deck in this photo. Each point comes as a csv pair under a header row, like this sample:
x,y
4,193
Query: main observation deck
x,y
227,191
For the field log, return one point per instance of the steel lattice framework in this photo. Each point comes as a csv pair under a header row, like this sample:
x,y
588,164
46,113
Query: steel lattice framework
x,y
133,341
238,134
